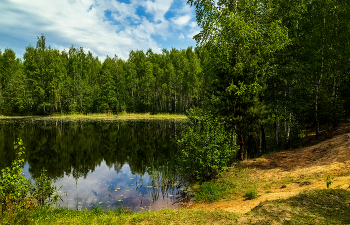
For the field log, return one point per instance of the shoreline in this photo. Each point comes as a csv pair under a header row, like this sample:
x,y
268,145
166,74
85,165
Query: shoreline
x,y
97,116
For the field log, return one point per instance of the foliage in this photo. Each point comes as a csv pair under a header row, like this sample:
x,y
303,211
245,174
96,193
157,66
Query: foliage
x,y
18,194
241,38
206,148
13,186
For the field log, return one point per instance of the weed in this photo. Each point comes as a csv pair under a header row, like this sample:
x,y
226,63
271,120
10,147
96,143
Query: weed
x,y
249,195
329,181
284,186
97,209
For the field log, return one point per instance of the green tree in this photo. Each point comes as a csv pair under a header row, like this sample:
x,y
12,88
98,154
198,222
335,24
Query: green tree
x,y
241,37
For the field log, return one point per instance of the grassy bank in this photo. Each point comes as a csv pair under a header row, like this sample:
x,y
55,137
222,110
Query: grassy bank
x,y
325,206
106,116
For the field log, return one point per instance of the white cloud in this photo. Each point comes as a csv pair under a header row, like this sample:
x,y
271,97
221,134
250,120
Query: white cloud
x,y
75,22
193,24
72,22
124,10
158,8
182,20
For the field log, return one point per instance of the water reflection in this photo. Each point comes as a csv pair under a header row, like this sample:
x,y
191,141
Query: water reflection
x,y
107,163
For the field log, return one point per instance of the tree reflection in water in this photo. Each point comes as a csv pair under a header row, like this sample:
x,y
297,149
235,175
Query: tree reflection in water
x,y
142,151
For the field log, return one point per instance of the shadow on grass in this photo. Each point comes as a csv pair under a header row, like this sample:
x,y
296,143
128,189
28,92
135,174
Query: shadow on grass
x,y
325,206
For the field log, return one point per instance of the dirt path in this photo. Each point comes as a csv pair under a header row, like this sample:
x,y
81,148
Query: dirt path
x,y
328,155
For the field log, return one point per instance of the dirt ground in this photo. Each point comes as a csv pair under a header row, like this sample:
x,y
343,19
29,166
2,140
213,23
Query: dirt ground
x,y
328,155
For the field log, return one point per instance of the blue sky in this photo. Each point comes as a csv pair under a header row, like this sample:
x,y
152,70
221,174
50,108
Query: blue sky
x,y
104,27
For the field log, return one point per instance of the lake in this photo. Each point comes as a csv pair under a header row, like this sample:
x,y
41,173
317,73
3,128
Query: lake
x,y
106,163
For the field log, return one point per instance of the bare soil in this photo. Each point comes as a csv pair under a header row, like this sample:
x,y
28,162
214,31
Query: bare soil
x,y
327,155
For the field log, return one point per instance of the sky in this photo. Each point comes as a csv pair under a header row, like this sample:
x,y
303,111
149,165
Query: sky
x,y
104,27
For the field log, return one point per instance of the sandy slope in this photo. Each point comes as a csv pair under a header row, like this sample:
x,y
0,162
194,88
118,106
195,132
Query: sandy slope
x,y
329,154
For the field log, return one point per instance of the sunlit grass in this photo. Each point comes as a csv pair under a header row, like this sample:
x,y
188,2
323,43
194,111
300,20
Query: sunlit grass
x,y
103,116
232,185
325,206
166,216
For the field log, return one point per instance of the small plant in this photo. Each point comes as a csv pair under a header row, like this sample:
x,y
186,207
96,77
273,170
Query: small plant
x,y
284,186
267,192
329,181
249,195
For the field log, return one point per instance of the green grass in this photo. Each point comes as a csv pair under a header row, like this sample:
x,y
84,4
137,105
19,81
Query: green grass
x,y
208,193
325,206
230,186
167,216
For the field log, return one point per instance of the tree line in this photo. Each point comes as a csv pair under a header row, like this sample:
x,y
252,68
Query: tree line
x,y
49,81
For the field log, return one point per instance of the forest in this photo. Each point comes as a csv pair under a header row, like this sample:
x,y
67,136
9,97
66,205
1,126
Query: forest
x,y
269,68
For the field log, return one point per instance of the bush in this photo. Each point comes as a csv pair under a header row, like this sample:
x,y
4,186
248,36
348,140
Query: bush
x,y
206,148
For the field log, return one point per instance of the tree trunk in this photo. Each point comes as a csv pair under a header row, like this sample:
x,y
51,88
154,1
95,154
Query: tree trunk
x,y
241,143
334,121
288,128
277,129
262,144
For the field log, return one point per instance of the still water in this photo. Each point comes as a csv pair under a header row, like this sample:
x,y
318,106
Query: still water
x,y
101,163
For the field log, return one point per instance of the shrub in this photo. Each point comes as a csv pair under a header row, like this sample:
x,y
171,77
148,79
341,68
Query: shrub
x,y
206,148
18,194
249,195
13,186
